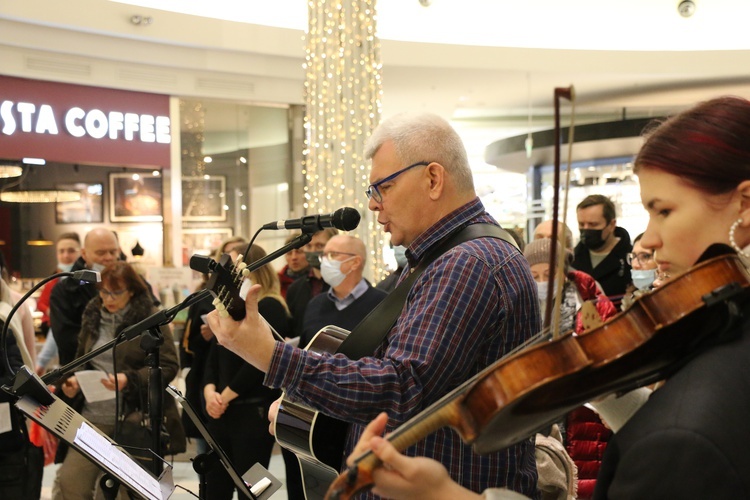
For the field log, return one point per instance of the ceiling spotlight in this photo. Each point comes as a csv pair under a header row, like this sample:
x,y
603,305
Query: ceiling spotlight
x,y
686,8
425,3
141,20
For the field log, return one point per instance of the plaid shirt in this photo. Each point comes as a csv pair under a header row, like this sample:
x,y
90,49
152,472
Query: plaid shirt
x,y
470,307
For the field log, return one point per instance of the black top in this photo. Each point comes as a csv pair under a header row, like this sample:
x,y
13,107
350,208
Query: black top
x,y
321,311
298,295
690,439
66,304
612,273
224,368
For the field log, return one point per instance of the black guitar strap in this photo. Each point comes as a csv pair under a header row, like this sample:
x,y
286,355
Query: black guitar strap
x,y
370,332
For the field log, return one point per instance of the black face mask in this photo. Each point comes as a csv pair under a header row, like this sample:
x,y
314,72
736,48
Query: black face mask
x,y
592,238
313,259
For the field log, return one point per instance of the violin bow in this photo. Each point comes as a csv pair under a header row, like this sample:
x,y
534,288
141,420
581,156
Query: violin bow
x,y
556,279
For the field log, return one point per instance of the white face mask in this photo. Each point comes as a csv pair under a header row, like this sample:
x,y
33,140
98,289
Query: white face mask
x,y
643,278
64,268
97,267
542,287
330,271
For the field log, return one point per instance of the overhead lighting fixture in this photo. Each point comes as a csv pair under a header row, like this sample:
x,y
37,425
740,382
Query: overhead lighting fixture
x,y
39,196
8,171
41,241
34,161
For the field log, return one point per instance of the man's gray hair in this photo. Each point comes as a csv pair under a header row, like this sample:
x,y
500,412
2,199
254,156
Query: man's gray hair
x,y
424,137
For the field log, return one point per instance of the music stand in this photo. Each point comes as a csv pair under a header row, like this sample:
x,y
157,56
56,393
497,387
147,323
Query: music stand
x,y
249,483
70,426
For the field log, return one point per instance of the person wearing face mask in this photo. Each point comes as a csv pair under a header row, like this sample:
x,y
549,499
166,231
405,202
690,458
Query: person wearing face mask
x,y
296,266
603,248
388,283
584,435
350,296
69,298
68,249
310,285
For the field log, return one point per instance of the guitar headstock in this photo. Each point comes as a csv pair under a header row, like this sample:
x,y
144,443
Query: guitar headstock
x,y
224,284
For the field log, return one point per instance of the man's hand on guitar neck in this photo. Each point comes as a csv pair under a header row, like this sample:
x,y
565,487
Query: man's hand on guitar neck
x,y
251,338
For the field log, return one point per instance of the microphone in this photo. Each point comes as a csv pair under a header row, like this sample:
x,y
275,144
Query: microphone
x,y
346,219
87,275
202,264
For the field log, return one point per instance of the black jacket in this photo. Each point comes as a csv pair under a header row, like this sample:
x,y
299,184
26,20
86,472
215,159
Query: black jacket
x,y
613,273
690,439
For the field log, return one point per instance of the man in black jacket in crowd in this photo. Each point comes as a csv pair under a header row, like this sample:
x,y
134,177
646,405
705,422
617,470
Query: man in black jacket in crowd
x,y
602,251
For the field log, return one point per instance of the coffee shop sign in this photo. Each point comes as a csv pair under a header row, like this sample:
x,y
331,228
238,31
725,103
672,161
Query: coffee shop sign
x,y
78,122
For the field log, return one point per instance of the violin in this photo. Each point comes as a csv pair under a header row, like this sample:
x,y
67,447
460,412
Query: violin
x,y
523,393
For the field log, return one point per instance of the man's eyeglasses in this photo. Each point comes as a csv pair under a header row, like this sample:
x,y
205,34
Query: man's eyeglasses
x,y
332,255
104,293
373,192
642,257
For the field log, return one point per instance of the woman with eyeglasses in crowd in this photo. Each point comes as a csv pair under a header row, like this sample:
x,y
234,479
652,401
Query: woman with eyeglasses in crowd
x,y
123,300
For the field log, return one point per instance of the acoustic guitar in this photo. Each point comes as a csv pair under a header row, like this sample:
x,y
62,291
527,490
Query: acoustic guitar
x,y
316,439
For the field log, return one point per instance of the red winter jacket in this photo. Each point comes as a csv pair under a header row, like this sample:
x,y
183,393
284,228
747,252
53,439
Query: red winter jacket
x,y
586,439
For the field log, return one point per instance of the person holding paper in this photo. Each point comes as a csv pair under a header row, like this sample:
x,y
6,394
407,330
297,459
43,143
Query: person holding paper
x,y
123,299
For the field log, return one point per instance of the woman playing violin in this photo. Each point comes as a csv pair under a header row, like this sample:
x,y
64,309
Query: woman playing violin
x,y
689,439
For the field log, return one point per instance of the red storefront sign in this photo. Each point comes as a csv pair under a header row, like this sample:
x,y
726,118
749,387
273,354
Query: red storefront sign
x,y
68,123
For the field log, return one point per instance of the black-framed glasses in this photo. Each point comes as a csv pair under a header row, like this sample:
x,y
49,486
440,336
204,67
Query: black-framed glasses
x,y
104,293
373,192
642,257
332,255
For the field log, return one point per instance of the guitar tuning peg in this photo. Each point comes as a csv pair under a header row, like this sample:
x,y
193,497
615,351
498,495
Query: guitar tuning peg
x,y
221,308
215,302
240,266
223,314
239,259
245,273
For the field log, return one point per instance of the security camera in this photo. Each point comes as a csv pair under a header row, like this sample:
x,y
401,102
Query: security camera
x,y
686,8
425,3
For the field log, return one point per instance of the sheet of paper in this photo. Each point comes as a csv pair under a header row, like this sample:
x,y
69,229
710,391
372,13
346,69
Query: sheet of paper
x,y
91,385
6,424
120,463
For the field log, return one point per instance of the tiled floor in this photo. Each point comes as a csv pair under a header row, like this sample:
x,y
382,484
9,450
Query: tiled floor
x,y
185,476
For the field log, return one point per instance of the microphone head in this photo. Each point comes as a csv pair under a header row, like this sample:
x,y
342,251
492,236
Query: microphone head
x,y
202,264
346,218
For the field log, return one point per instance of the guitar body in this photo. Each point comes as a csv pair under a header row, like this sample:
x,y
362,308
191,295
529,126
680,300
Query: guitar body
x,y
316,439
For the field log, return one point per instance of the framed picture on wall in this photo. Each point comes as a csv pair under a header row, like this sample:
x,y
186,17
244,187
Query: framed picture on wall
x,y
202,241
135,197
203,199
90,208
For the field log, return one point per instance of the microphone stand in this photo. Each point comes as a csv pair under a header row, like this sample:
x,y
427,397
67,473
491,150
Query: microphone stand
x,y
151,339
298,242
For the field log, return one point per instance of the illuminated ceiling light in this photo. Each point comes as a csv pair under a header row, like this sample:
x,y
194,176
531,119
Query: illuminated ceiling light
x,y
243,159
206,176
41,241
136,177
8,171
207,159
156,173
39,196
34,161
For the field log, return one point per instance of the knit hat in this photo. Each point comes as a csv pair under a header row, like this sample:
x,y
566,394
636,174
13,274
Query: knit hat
x,y
537,251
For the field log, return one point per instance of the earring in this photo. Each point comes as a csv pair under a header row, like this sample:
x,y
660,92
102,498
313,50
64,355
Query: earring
x,y
734,244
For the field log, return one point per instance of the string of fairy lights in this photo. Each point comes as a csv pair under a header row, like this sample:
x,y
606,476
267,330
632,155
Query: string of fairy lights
x,y
343,92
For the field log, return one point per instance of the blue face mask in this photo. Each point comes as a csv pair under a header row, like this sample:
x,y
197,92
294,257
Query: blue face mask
x,y
399,253
643,278
64,268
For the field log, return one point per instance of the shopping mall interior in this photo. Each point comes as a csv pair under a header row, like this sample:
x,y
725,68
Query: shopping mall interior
x,y
232,78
